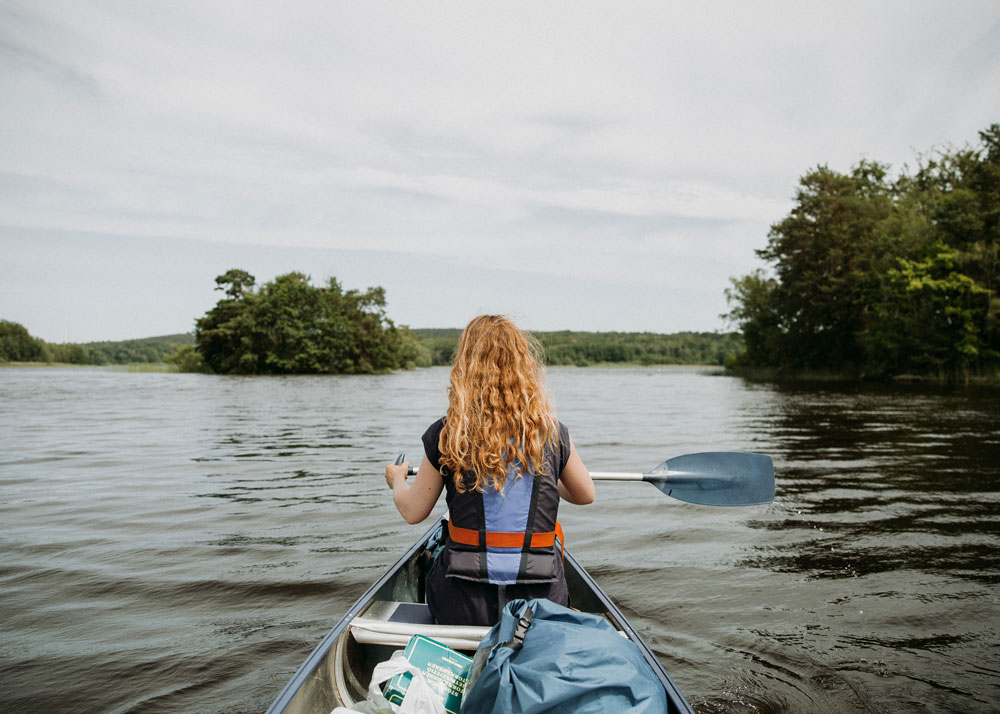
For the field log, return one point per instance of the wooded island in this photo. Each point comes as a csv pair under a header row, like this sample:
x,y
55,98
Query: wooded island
x,y
877,278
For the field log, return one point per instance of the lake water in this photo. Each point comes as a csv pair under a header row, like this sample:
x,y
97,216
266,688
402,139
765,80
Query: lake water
x,y
180,543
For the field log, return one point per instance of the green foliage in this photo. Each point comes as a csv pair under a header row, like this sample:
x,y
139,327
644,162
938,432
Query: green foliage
x,y
821,252
239,282
17,345
289,326
588,348
185,358
439,343
756,314
148,350
926,319
67,353
644,348
878,278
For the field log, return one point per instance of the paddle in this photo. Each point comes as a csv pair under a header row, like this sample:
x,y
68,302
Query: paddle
x,y
711,478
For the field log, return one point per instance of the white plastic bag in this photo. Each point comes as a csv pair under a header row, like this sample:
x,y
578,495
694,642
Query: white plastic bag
x,y
419,697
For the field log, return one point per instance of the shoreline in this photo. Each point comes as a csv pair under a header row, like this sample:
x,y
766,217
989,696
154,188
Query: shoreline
x,y
163,367
716,370
128,367
911,380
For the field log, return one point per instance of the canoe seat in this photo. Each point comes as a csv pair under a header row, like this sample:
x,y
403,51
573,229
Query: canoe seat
x,y
416,612
394,623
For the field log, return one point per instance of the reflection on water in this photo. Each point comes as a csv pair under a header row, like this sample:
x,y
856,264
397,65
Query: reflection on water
x,y
887,480
181,542
886,530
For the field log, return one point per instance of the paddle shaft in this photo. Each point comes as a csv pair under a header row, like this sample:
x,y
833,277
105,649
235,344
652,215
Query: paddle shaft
x,y
615,476
596,475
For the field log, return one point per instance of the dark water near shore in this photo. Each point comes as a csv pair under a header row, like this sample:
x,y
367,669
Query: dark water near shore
x,y
180,543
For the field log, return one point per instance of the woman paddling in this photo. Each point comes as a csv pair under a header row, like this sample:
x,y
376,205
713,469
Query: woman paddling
x,y
504,461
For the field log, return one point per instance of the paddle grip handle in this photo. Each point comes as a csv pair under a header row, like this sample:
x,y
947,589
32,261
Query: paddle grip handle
x,y
410,471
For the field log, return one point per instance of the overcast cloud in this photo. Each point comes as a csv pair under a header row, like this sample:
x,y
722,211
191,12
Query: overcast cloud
x,y
581,165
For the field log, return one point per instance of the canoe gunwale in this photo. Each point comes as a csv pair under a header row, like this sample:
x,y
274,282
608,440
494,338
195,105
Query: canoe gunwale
x,y
293,686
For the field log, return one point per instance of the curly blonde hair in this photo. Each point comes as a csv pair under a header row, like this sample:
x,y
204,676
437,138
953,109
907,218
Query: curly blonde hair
x,y
498,411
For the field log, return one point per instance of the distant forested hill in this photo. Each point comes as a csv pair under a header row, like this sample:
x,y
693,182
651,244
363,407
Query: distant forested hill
x,y
440,342
561,348
17,345
146,349
587,348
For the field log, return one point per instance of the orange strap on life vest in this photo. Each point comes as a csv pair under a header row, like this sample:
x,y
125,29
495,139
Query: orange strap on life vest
x,y
498,539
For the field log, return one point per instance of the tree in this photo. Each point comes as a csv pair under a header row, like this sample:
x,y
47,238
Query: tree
x,y
755,312
966,212
185,358
17,344
821,252
239,282
288,321
224,335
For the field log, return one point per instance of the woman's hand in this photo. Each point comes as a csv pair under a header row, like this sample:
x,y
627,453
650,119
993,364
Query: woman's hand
x,y
394,472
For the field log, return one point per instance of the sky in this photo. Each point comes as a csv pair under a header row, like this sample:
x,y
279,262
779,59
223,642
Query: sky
x,y
576,165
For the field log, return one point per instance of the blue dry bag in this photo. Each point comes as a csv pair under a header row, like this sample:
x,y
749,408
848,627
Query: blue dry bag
x,y
543,657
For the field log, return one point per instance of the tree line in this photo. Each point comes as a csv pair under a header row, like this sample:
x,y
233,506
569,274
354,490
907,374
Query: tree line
x,y
17,345
224,331
872,277
589,348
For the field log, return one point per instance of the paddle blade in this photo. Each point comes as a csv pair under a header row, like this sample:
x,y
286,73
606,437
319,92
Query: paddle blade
x,y
716,478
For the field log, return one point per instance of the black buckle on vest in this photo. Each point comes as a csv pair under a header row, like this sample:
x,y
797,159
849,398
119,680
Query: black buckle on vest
x,y
517,640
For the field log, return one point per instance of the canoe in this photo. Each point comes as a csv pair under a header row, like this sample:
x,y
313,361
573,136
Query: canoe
x,y
338,671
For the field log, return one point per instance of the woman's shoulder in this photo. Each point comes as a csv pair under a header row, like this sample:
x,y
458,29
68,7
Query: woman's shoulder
x,y
435,427
430,439
564,446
